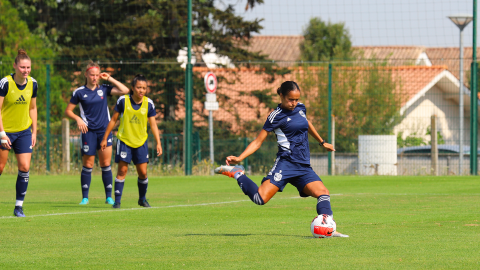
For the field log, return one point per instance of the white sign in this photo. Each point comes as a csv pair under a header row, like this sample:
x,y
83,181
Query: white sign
x,y
211,106
211,97
211,82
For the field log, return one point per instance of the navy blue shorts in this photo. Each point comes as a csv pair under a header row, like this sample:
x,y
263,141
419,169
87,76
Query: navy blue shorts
x,y
91,142
21,141
285,171
127,154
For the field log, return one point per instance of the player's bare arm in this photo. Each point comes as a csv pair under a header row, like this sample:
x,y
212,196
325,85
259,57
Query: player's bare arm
x,y
313,132
251,148
156,134
8,143
33,116
70,114
119,88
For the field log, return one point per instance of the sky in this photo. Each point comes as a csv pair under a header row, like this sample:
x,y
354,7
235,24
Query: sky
x,y
370,22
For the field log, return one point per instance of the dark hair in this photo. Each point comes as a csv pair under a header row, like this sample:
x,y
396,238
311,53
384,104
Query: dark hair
x,y
22,54
138,77
90,65
286,87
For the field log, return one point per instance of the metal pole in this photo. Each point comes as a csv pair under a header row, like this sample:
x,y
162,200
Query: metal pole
x,y
330,116
461,117
434,149
48,117
210,131
188,96
473,98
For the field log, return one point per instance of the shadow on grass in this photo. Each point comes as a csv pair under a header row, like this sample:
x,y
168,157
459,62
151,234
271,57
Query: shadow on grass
x,y
244,235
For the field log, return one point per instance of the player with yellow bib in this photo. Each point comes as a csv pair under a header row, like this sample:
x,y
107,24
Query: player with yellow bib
x,y
18,112
135,112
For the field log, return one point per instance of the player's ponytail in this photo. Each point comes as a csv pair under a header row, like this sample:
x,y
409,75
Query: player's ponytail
x,y
22,54
286,87
138,77
89,66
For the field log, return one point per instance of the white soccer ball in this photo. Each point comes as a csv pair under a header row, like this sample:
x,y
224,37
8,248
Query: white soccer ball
x,y
323,226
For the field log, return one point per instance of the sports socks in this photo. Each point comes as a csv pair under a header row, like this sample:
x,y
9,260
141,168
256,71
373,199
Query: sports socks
x,y
107,180
119,189
85,180
323,205
142,188
21,186
249,188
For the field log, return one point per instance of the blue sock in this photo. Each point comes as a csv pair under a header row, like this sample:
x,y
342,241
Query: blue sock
x,y
85,180
250,188
323,205
142,188
107,180
119,189
22,184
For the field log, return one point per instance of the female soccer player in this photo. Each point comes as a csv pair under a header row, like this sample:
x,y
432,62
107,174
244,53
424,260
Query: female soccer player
x,y
18,122
135,110
94,119
289,123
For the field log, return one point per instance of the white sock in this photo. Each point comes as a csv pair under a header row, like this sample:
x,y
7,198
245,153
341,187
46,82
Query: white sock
x,y
19,203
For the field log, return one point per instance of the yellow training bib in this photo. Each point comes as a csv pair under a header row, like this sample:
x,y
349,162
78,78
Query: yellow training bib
x,y
16,106
133,124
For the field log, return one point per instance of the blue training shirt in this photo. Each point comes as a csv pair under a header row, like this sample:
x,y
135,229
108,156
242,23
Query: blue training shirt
x,y
291,129
4,86
120,106
93,106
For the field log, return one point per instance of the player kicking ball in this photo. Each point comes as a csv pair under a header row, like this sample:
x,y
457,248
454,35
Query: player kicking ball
x,y
289,123
135,111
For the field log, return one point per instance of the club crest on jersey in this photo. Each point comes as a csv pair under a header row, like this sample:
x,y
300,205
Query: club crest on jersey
x,y
100,93
86,148
302,114
123,154
143,110
278,176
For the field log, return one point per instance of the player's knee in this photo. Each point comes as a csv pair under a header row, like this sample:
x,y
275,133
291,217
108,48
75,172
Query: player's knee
x,y
320,192
257,199
142,175
23,167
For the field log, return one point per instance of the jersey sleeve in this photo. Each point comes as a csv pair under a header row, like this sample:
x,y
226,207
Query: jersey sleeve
x,y
3,87
35,88
120,105
75,99
273,121
108,89
151,109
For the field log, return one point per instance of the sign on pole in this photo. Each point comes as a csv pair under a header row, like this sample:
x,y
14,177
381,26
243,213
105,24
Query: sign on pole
x,y
211,82
211,105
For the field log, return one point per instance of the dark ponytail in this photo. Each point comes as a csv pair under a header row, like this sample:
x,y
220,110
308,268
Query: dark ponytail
x,y
138,77
286,87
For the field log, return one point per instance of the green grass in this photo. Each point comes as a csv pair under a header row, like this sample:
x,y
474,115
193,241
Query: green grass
x,y
207,223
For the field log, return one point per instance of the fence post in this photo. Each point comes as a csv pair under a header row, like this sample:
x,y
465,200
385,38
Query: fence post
x,y
48,118
473,97
329,116
188,97
245,161
66,144
434,150
333,143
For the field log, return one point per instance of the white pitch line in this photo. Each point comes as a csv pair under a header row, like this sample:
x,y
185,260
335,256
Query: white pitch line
x,y
128,209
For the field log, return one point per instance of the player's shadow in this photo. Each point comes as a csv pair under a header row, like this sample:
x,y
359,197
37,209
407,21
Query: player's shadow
x,y
242,235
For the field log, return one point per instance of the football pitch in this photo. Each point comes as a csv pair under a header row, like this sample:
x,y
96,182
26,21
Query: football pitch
x,y
205,222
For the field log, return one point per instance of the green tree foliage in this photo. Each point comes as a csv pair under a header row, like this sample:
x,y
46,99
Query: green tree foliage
x,y
365,101
14,35
325,41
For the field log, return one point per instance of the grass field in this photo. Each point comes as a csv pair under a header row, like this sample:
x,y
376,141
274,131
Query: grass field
x,y
207,223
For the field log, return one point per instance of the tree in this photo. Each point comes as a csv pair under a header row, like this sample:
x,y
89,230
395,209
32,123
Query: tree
x,y
325,41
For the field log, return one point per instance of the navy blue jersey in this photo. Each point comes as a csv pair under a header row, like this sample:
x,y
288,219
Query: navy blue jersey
x,y
120,107
291,129
4,86
93,105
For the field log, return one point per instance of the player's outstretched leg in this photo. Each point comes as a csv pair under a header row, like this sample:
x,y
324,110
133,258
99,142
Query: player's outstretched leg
x,y
118,192
107,183
248,187
85,180
142,192
324,207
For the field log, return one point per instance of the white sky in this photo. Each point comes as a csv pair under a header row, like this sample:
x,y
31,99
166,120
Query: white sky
x,y
370,22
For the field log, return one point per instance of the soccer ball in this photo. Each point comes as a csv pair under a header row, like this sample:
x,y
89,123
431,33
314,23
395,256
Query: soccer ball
x,y
323,226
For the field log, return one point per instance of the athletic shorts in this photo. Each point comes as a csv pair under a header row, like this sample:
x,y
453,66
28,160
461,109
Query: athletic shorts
x,y
127,154
285,171
91,142
21,141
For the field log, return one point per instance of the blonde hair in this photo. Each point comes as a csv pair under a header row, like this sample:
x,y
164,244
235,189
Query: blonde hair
x,y
22,54
90,65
